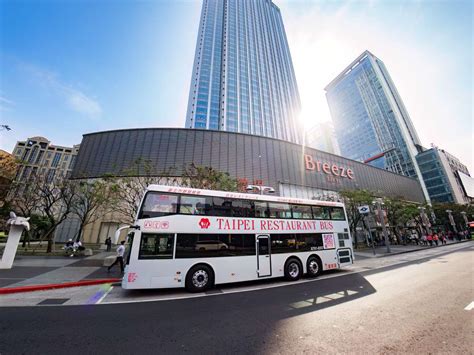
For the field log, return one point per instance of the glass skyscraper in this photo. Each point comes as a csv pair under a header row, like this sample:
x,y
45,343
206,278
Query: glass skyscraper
x,y
243,78
371,122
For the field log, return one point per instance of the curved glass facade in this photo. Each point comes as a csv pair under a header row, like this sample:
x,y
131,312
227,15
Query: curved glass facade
x,y
285,166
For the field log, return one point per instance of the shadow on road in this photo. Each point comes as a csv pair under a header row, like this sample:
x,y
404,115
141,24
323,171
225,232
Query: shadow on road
x,y
210,324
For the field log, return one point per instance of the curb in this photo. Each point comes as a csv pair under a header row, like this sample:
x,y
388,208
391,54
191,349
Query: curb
x,y
31,288
411,251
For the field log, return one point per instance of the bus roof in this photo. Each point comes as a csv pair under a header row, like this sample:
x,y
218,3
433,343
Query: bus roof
x,y
238,195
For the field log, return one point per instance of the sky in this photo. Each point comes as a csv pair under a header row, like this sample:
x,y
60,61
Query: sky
x,y
73,67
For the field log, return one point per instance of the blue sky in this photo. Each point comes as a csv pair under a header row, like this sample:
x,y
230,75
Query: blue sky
x,y
73,67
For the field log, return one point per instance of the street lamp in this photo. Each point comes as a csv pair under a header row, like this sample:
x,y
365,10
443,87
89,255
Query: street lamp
x,y
378,204
451,220
261,189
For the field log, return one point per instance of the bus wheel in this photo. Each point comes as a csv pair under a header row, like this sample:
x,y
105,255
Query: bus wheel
x,y
199,279
293,269
314,266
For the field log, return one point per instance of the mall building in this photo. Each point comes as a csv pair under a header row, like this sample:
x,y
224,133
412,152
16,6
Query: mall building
x,y
291,169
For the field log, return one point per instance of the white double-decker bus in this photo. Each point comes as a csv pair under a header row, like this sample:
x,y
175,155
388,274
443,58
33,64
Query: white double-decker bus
x,y
198,238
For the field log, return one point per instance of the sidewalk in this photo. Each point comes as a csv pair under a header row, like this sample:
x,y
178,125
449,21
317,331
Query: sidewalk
x,y
381,251
47,270
29,271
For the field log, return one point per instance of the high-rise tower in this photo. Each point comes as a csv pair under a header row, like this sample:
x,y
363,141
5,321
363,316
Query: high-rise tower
x,y
243,78
371,122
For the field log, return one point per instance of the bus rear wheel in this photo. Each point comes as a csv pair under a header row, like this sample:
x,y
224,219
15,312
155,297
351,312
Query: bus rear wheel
x,y
199,278
293,269
314,266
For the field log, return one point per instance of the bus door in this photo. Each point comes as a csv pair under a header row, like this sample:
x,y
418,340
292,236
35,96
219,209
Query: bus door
x,y
264,263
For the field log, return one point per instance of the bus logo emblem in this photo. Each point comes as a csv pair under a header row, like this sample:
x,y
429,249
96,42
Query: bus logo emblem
x,y
204,223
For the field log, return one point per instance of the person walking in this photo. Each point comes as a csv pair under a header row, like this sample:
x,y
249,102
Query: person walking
x,y
443,239
423,239
435,239
108,242
119,259
429,238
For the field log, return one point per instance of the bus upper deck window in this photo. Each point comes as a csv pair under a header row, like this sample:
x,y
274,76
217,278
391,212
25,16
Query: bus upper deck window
x,y
337,213
159,204
193,205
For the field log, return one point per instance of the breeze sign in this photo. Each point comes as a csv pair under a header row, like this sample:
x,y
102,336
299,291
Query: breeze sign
x,y
327,168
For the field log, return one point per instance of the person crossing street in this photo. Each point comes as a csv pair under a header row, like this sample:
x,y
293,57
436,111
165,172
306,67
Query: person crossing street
x,y
119,259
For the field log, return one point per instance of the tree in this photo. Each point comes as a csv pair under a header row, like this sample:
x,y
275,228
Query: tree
x,y
129,188
442,217
204,177
411,214
395,208
93,200
353,199
56,201
24,199
8,169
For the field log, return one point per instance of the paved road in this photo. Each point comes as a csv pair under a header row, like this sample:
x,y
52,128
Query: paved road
x,y
416,306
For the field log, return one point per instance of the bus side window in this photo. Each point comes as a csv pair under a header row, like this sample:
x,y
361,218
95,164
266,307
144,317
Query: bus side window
x,y
337,213
193,205
309,241
321,212
301,212
261,209
221,207
156,246
243,208
279,210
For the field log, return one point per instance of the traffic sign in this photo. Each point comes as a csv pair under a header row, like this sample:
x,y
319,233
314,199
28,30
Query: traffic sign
x,y
364,209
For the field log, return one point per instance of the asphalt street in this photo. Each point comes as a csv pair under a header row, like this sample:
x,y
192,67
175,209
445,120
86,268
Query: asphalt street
x,y
416,306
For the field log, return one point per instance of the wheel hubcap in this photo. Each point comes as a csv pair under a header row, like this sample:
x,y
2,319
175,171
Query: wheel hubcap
x,y
313,266
200,278
293,269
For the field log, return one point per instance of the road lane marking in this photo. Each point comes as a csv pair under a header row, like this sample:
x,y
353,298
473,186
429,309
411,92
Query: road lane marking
x,y
470,306
105,294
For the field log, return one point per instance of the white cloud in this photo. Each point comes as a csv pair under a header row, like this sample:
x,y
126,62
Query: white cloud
x,y
74,98
5,104
81,103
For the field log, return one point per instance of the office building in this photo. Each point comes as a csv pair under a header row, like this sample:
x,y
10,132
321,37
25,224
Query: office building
x,y
445,177
243,78
322,137
37,156
371,122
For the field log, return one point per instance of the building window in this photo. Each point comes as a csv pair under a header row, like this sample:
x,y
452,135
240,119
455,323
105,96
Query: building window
x,y
50,176
56,159
71,163
40,156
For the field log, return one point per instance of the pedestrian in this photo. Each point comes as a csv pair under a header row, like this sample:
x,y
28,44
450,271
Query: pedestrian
x,y
435,239
443,239
108,242
429,238
423,239
119,259
450,235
